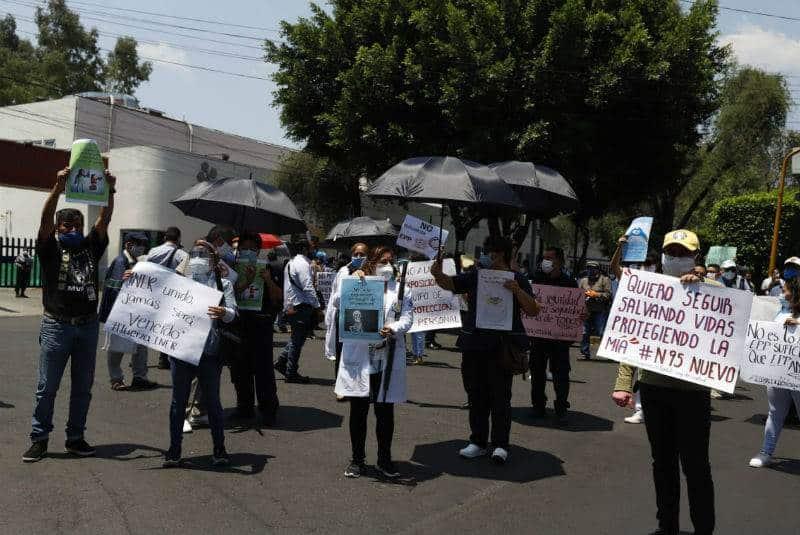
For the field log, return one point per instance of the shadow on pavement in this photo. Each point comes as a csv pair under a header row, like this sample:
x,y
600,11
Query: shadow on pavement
x,y
4,405
424,405
579,422
524,465
436,364
298,419
787,466
245,464
761,420
116,452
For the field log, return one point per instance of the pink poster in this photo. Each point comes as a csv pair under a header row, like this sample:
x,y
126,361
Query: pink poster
x,y
561,314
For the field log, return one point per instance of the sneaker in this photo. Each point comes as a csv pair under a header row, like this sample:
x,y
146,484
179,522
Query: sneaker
x,y
187,427
283,328
296,378
172,458
220,457
163,362
418,361
586,357
116,384
716,394
36,452
79,447
434,345
388,469
354,470
198,421
140,383
636,418
499,456
280,366
762,460
472,451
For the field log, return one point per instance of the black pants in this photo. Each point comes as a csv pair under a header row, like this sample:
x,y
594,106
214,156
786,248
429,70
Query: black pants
x,y
678,426
23,278
384,427
489,394
557,354
251,372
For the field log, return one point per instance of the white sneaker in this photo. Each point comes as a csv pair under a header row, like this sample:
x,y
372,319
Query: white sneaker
x,y
636,418
762,460
187,427
499,456
472,451
197,421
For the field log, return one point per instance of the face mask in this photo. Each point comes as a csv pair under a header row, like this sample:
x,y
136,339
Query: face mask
x,y
789,273
729,275
248,256
485,261
357,262
199,269
386,271
71,239
675,266
786,308
547,266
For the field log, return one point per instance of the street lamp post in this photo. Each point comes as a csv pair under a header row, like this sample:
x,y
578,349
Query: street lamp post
x,y
773,255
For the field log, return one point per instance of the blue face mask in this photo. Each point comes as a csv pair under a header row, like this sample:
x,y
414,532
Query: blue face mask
x,y
789,273
71,239
357,262
485,261
786,308
248,256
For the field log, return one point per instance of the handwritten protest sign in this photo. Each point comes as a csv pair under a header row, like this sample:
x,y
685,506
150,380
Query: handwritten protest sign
x,y
252,297
87,181
164,311
693,332
717,254
772,357
421,237
559,315
325,283
361,309
434,308
638,234
495,303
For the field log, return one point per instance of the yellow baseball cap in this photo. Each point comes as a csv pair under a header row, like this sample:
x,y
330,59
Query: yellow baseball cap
x,y
683,237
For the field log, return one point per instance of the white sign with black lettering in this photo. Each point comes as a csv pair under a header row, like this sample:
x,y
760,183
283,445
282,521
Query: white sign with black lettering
x,y
434,308
421,237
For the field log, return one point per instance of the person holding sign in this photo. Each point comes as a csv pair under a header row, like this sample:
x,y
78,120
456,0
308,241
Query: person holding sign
x,y
780,399
69,327
487,381
597,288
203,268
365,367
678,418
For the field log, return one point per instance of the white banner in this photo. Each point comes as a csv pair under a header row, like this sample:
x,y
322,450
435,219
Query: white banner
x,y
434,308
325,284
495,303
164,311
772,357
693,332
421,237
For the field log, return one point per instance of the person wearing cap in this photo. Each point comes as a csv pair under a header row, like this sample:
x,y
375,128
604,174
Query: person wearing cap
x,y
597,288
678,413
135,246
731,278
791,268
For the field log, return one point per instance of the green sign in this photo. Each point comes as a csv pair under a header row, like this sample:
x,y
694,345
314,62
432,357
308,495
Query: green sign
x,y
252,297
717,254
87,181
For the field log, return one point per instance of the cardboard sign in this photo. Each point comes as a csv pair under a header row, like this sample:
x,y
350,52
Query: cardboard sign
x,y
693,332
164,311
718,254
325,284
421,237
772,355
495,303
560,313
87,180
638,234
434,308
252,297
361,309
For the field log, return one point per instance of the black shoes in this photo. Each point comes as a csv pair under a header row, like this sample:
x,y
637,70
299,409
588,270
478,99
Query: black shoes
x,y
280,366
79,447
354,470
388,469
163,362
139,383
296,378
220,457
36,452
172,458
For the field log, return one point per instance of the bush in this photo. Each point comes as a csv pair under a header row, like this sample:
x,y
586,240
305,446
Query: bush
x,y
746,222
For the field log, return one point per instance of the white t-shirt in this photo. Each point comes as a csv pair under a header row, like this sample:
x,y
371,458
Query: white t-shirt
x,y
776,291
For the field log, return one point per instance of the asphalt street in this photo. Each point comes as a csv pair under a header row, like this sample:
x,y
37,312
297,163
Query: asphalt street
x,y
592,477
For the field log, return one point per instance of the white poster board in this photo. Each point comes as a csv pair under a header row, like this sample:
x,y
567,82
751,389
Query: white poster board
x,y
434,308
421,237
325,284
495,303
693,332
772,356
164,311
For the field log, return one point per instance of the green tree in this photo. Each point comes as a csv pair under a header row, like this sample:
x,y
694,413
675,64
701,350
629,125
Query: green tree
x,y
18,80
123,71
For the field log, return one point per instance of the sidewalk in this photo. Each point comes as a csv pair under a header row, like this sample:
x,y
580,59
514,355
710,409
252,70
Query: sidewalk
x,y
11,306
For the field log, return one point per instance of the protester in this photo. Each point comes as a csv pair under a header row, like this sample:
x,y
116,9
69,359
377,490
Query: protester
x,y
554,352
204,268
363,373
69,327
300,304
700,271
487,382
713,272
780,399
597,288
23,262
791,268
135,245
678,418
251,370
731,278
773,285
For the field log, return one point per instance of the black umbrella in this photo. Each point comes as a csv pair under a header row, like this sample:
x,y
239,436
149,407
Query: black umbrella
x,y
242,203
542,190
360,229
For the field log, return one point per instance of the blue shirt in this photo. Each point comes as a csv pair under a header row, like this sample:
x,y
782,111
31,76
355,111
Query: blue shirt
x,y
298,283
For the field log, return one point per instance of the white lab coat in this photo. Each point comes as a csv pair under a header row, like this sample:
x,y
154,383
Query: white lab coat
x,y
330,314
353,377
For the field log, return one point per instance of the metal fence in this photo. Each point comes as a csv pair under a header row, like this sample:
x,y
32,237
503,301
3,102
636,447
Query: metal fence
x,y
9,249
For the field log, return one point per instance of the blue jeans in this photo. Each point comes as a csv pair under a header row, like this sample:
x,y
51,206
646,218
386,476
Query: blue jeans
x,y
595,323
301,323
207,372
780,400
59,342
418,344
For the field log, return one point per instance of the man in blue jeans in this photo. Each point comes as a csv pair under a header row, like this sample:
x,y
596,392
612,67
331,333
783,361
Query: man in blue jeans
x,y
69,325
300,304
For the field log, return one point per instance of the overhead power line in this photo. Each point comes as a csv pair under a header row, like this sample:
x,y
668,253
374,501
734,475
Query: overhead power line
x,y
750,12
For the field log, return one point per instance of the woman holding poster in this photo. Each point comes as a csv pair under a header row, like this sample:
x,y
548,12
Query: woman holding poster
x,y
362,378
780,399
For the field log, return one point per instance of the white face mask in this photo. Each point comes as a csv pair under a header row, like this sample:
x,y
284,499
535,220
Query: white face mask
x,y
199,269
729,275
675,266
386,271
547,266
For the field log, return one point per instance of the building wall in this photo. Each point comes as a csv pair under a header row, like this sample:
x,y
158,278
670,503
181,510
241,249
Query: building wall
x,y
53,119
21,210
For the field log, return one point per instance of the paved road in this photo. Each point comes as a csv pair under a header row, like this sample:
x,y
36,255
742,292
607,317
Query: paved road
x,y
591,478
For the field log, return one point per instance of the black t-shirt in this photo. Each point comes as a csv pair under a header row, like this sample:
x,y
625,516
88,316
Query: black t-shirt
x,y
69,276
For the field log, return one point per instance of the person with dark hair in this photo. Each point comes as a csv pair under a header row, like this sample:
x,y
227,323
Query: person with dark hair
x,y
597,288
554,352
713,272
70,328
222,238
23,262
487,382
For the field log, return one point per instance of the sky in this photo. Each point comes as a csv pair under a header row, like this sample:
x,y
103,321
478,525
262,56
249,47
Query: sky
x,y
243,105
